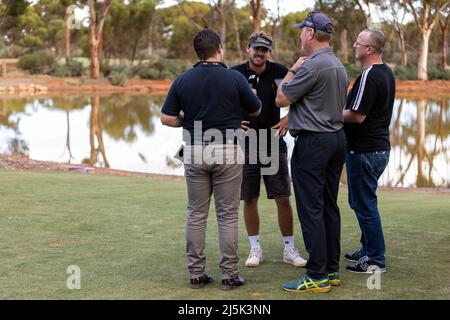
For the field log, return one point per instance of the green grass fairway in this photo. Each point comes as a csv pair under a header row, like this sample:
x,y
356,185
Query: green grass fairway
x,y
127,236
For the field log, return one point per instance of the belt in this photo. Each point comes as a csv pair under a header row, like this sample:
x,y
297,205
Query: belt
x,y
206,143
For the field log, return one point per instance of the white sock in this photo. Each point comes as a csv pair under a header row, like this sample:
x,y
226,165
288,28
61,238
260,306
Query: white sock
x,y
254,241
288,242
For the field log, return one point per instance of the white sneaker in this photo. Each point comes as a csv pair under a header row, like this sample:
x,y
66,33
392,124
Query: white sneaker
x,y
255,258
292,256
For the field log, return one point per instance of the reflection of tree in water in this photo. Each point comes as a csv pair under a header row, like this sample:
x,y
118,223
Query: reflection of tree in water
x,y
9,108
118,115
411,136
96,130
123,114
67,104
72,103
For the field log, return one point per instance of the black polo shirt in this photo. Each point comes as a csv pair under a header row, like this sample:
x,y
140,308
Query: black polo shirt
x,y
213,94
373,95
266,89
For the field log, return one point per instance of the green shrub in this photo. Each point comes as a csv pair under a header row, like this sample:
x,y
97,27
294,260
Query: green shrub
x,y
353,70
71,69
164,69
12,51
118,78
405,73
438,74
37,63
108,69
149,74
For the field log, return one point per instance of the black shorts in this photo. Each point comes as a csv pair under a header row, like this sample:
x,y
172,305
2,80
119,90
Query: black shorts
x,y
278,185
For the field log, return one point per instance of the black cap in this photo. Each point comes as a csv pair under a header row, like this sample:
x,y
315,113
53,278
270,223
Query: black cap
x,y
260,41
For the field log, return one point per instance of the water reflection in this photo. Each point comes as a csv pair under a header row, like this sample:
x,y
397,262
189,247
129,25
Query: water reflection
x,y
123,132
420,143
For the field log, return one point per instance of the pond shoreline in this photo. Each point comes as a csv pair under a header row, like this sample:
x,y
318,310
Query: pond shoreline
x,y
13,162
54,86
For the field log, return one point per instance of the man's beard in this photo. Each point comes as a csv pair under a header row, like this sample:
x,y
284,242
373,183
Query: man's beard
x,y
258,61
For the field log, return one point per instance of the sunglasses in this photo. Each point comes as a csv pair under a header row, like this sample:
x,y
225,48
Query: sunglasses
x,y
310,17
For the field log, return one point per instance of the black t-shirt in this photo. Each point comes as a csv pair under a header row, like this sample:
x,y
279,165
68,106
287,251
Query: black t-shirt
x,y
213,94
266,89
373,95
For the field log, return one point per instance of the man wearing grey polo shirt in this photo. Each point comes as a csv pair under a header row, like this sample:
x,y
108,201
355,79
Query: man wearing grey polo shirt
x,y
317,86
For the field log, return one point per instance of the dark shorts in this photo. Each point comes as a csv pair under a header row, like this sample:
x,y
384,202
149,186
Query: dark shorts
x,y
277,185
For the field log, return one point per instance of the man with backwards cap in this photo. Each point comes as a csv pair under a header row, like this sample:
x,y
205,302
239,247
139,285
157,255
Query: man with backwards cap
x,y
316,85
263,76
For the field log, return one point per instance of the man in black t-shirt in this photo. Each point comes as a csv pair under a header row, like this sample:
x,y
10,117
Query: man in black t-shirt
x,y
214,97
367,117
264,76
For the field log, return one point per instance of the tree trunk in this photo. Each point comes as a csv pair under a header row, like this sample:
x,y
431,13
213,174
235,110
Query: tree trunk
x,y
403,48
223,32
238,37
96,34
344,45
402,42
135,47
444,48
95,63
423,55
256,13
67,44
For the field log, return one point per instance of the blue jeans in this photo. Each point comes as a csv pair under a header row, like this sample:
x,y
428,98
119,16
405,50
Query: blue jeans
x,y
363,172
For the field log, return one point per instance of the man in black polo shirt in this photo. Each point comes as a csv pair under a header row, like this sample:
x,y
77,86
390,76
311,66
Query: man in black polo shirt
x,y
367,117
263,76
211,97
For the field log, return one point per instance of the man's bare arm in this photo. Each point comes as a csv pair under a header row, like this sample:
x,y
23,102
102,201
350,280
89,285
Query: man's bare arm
x,y
171,121
353,117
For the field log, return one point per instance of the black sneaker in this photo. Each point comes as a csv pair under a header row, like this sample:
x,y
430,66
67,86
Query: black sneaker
x,y
353,256
365,265
231,284
197,283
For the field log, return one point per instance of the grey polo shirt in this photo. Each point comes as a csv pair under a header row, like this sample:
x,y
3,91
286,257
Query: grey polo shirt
x,y
318,91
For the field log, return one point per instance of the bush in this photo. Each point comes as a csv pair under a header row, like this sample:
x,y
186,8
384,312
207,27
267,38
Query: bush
x,y
405,73
109,69
353,70
118,78
438,74
71,69
37,63
164,69
12,51
149,74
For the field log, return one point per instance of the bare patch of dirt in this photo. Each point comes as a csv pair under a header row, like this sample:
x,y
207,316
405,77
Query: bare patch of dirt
x,y
12,162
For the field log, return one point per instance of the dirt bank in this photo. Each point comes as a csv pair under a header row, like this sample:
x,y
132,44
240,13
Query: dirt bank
x,y
54,86
61,86
11,162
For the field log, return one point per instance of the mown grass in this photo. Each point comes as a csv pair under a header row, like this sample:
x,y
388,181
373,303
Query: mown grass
x,y
127,236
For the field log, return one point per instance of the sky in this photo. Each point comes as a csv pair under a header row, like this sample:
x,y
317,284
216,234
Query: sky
x,y
286,6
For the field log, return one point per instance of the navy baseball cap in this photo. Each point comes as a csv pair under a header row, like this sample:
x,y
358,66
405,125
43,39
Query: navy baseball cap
x,y
317,21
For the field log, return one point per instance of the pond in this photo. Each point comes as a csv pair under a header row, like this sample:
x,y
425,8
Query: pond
x,y
123,131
